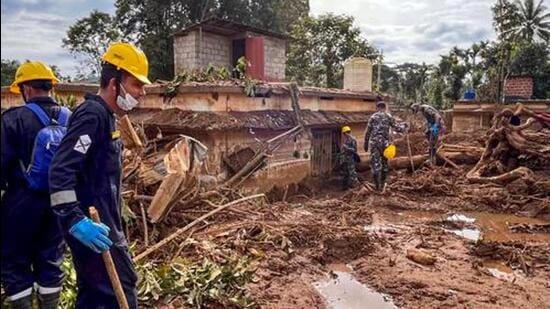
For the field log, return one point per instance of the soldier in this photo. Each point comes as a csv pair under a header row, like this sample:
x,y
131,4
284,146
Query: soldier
x,y
435,126
377,138
349,158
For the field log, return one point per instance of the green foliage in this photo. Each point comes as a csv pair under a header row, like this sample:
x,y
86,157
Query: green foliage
x,y
89,37
152,23
69,292
319,48
213,74
69,101
199,283
8,71
522,21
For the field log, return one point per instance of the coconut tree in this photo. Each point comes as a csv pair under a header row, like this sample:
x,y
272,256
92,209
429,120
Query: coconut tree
x,y
532,22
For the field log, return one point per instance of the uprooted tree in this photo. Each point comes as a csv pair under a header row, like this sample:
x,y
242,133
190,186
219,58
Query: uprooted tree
x,y
510,146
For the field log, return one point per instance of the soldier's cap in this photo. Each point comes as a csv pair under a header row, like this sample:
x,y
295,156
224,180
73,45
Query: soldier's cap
x,y
380,104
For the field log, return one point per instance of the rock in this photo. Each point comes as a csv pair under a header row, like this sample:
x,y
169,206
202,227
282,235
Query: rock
x,y
420,257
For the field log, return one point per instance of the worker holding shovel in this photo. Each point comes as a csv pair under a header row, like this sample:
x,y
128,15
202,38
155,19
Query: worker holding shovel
x,y
86,171
377,140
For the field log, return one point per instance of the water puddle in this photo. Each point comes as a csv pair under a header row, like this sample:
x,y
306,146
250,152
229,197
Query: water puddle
x,y
500,270
496,227
470,234
475,225
344,292
460,218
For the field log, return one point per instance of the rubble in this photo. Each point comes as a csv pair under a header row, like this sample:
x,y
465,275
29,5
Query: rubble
x,y
288,238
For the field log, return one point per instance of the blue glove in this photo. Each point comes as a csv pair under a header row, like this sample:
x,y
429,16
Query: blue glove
x,y
93,235
434,129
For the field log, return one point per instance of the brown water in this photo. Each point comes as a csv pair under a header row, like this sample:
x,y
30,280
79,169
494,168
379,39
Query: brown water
x,y
488,226
344,292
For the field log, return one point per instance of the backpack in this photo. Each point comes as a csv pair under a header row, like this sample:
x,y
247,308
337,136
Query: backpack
x,y
46,143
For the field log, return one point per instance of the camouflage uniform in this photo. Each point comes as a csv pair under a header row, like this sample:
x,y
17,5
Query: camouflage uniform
x,y
434,124
349,152
377,138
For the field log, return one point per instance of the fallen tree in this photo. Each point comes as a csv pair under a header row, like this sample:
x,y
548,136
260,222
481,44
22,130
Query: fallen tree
x,y
456,154
507,143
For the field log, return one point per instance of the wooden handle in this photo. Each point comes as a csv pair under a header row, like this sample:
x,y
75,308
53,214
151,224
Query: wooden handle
x,y
111,269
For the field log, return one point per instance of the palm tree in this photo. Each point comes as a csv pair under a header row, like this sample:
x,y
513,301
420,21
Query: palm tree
x,y
531,22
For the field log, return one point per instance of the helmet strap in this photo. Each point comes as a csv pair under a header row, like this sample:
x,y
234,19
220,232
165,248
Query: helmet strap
x,y
118,80
22,93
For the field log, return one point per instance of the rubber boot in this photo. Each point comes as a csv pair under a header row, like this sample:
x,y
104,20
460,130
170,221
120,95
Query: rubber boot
x,y
22,303
383,182
376,180
48,301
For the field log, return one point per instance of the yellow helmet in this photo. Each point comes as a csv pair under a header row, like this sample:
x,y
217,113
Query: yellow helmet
x,y
390,151
32,70
346,129
129,58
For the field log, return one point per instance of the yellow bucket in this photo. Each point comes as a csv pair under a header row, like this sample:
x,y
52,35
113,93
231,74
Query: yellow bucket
x,y
390,151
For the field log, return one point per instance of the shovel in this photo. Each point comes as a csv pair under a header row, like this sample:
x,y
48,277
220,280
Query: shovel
x,y
111,270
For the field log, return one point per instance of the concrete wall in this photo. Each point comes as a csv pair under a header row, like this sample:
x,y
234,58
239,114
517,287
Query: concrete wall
x,y
190,52
275,59
197,50
358,74
221,102
213,99
470,116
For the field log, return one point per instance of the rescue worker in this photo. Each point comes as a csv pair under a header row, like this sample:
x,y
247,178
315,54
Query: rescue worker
x,y
86,171
435,126
349,158
32,243
377,138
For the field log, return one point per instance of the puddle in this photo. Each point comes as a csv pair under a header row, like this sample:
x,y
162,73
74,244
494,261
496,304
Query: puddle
x,y
500,270
460,218
470,234
496,227
344,292
480,225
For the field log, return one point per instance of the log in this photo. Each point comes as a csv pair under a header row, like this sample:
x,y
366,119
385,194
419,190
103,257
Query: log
x,y
443,156
418,160
128,134
520,172
180,231
169,188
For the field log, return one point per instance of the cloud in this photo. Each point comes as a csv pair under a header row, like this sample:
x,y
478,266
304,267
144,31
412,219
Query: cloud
x,y
416,31
407,30
34,29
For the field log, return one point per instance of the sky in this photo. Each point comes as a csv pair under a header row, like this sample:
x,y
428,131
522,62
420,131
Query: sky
x,y
406,30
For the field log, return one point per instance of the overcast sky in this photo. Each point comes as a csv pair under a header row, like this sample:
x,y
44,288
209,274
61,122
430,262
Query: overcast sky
x,y
407,30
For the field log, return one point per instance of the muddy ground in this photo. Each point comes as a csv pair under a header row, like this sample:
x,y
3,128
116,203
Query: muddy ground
x,y
298,242
498,256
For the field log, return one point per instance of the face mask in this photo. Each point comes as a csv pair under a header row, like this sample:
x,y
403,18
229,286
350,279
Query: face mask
x,y
128,102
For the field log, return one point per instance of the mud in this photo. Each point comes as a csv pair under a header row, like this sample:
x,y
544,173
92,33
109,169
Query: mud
x,y
319,247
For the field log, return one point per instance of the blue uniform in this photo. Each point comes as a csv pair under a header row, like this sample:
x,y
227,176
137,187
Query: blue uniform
x,y
32,243
86,171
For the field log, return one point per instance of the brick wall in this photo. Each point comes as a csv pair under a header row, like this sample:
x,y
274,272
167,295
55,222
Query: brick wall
x,y
519,86
275,59
190,52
